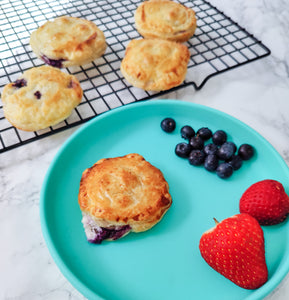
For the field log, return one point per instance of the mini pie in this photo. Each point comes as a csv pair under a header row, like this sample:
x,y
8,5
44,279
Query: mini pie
x,y
121,195
42,97
165,20
155,65
68,41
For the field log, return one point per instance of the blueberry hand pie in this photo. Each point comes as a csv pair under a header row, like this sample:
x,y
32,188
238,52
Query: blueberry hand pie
x,y
68,41
167,20
42,97
154,64
121,195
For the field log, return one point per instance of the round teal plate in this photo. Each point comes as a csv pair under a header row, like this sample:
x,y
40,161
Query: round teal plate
x,y
164,262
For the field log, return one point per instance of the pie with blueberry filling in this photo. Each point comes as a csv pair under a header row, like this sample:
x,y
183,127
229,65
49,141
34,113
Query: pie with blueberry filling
x,y
165,19
120,195
155,64
42,97
68,41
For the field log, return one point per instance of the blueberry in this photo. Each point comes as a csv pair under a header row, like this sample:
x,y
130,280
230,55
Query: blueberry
x,y
219,137
197,142
236,162
53,62
233,145
205,133
183,150
197,157
210,149
211,162
246,151
224,170
168,125
37,94
226,150
19,83
187,132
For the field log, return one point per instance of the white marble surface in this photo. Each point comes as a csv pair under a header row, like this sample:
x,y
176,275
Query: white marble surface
x,y
257,94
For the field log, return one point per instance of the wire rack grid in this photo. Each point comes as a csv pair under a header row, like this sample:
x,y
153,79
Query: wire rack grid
x,y
219,45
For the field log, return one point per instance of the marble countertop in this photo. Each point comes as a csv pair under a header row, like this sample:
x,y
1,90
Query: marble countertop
x,y
256,93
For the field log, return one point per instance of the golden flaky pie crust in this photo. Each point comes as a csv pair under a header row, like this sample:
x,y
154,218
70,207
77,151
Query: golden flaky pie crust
x,y
165,20
125,190
76,41
155,65
46,98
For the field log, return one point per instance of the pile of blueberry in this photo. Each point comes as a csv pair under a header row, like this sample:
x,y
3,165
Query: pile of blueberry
x,y
212,150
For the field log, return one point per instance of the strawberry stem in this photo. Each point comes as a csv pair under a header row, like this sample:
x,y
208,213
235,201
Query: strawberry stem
x,y
216,221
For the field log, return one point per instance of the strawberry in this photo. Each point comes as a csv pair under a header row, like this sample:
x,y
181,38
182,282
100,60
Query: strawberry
x,y
235,249
266,201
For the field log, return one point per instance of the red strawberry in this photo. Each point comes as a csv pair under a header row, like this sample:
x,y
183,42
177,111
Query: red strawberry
x,y
235,249
266,201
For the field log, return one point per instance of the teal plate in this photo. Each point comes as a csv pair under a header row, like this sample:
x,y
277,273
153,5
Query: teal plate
x,y
164,262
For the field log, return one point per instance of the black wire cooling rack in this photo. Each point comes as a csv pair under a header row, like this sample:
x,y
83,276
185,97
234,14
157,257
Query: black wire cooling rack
x,y
218,45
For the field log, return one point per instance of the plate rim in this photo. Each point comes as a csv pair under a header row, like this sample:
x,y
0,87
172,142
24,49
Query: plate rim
x,y
68,274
